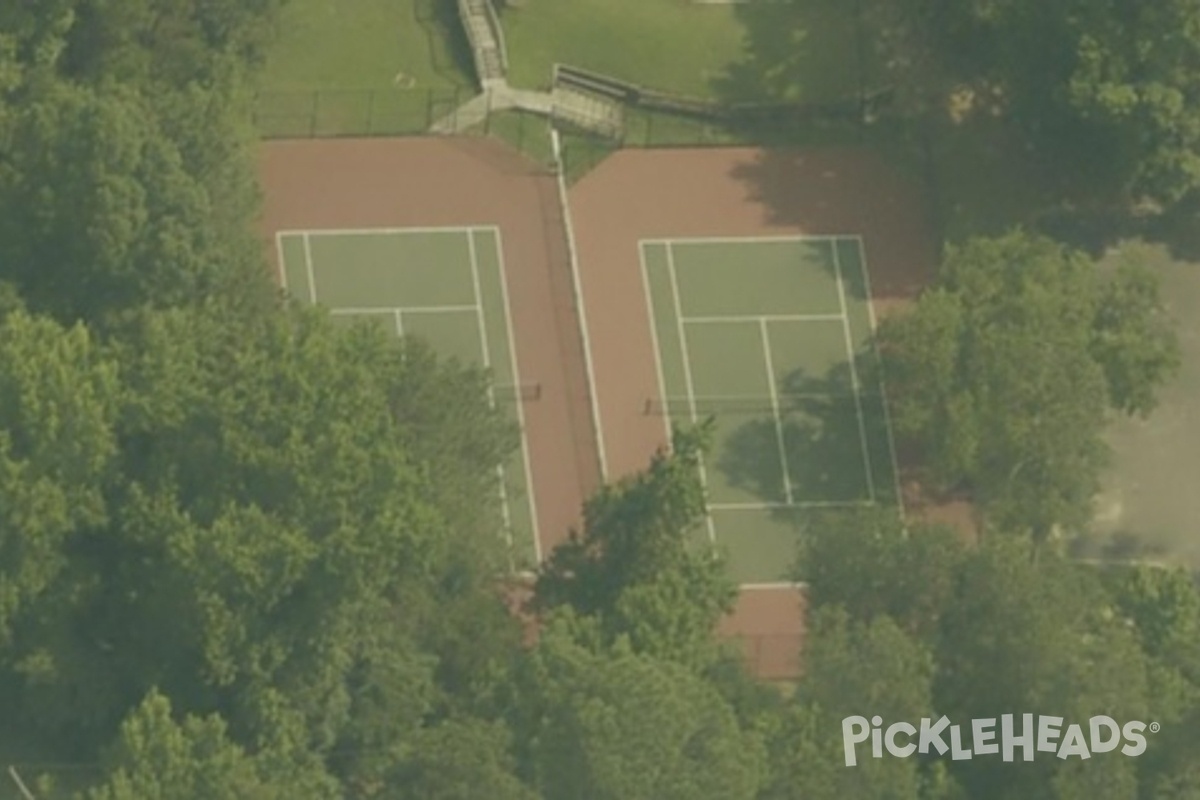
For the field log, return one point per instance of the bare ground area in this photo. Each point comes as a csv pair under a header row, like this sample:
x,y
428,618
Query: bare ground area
x,y
1150,507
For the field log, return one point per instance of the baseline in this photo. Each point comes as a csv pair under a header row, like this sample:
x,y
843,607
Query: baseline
x,y
799,237
460,229
733,318
456,309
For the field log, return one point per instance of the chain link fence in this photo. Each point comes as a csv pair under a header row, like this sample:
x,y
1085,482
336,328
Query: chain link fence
x,y
370,112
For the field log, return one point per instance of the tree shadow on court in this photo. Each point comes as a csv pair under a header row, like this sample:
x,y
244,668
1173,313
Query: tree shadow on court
x,y
850,191
821,441
1118,546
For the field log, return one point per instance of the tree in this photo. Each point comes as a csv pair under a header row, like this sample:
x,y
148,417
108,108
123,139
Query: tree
x,y
268,527
1108,87
852,668
1023,635
1005,371
867,563
101,213
1131,339
458,759
157,758
603,723
634,567
59,398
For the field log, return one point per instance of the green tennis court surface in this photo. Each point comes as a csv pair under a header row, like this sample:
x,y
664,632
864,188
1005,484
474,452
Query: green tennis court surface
x,y
444,285
772,338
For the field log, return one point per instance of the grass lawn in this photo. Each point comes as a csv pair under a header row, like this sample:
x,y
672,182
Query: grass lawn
x,y
367,44
739,51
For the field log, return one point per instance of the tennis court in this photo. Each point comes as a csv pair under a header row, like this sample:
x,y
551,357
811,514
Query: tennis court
x,y
772,338
446,286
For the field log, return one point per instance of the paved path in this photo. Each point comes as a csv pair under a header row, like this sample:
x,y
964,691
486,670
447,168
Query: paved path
x,y
491,63
577,108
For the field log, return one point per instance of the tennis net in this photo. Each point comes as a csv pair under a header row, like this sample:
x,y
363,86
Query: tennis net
x,y
704,405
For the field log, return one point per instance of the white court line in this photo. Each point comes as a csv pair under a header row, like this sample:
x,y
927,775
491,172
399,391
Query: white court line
x,y
766,343
721,319
462,309
381,231
803,504
799,237
687,378
650,317
862,426
399,322
512,354
505,510
887,413
282,269
308,264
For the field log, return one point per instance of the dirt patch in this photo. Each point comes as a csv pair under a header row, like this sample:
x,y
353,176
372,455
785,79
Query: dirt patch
x,y
1150,509
431,182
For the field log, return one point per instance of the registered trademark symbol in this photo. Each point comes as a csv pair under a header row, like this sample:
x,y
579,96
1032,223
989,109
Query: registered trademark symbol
x,y
1155,727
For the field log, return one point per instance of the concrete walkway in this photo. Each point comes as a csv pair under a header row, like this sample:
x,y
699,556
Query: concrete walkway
x,y
491,63
578,108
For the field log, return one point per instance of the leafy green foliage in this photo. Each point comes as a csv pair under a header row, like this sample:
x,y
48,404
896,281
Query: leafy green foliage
x,y
247,553
103,213
1108,87
157,757
634,567
610,723
1131,340
864,562
852,668
58,401
911,625
1004,373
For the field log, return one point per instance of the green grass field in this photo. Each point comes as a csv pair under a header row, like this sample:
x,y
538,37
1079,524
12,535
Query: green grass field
x,y
367,44
718,51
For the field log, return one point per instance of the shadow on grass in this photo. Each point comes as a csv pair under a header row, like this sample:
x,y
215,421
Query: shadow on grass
x,y
796,52
449,49
980,175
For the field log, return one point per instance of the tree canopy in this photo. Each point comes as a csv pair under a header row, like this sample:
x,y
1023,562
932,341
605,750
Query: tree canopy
x,y
248,553
1007,368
